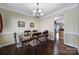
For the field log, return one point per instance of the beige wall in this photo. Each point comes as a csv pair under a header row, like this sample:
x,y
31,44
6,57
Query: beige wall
x,y
10,25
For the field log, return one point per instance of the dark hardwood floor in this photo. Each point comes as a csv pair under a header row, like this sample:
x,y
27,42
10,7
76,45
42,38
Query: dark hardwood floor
x,y
46,48
67,50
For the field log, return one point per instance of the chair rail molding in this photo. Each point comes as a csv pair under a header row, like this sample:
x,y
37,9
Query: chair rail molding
x,y
72,33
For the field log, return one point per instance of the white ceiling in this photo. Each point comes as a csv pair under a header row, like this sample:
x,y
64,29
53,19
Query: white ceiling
x,y
27,8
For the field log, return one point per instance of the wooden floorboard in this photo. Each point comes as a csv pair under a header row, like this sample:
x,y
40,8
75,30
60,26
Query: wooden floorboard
x,y
45,48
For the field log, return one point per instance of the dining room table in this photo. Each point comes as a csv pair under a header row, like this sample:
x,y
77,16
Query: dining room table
x,y
27,39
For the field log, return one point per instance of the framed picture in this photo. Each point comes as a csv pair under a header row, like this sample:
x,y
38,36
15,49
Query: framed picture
x,y
32,25
21,24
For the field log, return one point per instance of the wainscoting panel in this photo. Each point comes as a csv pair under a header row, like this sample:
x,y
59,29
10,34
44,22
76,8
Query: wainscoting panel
x,y
72,39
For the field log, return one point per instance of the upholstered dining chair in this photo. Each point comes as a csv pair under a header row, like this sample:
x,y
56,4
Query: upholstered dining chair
x,y
36,35
35,31
27,33
18,38
17,43
46,34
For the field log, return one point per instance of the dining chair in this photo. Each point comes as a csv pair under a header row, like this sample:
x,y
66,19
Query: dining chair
x,y
35,31
46,34
27,33
36,35
17,44
26,36
36,41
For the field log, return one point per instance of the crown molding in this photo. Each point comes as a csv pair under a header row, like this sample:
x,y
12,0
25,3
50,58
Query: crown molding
x,y
59,11
62,10
16,11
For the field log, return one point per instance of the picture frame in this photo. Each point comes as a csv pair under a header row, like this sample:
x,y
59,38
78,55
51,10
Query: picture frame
x,y
21,24
32,25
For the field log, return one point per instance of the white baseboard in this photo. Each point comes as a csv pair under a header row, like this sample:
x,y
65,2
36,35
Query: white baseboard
x,y
70,45
73,46
6,45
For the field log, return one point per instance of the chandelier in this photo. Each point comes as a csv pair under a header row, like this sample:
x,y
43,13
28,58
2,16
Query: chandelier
x,y
37,12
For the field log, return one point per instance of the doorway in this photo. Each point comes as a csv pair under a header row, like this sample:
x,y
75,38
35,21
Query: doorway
x,y
58,24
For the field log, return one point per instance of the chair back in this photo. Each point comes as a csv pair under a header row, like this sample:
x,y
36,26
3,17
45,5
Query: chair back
x,y
35,31
27,33
36,34
45,33
15,38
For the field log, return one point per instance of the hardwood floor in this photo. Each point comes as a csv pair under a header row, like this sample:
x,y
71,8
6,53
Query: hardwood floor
x,y
46,48
67,50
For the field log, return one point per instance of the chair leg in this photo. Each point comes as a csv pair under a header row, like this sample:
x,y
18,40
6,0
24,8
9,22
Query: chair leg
x,y
22,49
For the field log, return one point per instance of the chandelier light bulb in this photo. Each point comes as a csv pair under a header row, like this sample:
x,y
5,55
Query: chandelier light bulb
x,y
34,11
42,14
39,10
